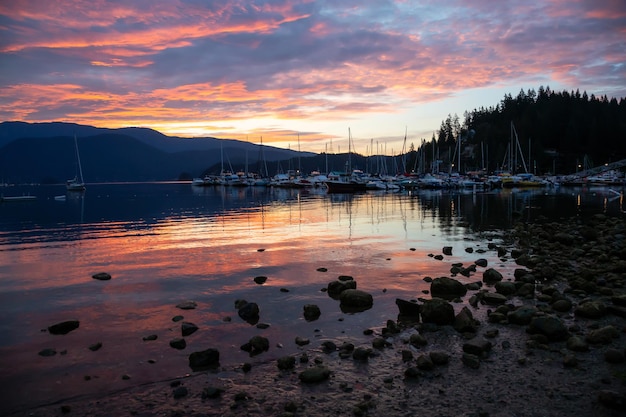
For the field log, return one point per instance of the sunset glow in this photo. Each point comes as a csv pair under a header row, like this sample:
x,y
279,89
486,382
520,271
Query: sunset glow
x,y
280,68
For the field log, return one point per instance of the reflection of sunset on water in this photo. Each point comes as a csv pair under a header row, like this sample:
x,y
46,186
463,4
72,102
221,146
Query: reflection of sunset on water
x,y
162,248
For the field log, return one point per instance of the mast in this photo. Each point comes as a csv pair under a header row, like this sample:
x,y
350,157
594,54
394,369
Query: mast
x,y
80,168
349,152
404,151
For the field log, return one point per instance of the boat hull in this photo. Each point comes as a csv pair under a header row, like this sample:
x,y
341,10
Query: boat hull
x,y
345,186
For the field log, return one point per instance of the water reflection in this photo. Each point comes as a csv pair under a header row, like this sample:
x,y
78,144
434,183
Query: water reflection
x,y
165,243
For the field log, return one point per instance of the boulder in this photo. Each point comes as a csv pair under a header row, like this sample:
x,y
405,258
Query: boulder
x,y
249,312
205,359
178,343
187,305
602,336
493,298
437,311
356,299
551,327
522,315
64,327
314,374
311,312
101,276
447,288
408,308
477,346
491,276
335,288
188,328
591,310
464,321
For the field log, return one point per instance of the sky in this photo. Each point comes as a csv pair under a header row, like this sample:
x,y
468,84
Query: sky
x,y
299,74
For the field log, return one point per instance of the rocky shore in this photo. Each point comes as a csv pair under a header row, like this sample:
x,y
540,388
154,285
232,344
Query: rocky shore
x,y
546,340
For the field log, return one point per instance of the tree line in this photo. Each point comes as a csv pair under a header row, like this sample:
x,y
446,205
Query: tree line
x,y
549,131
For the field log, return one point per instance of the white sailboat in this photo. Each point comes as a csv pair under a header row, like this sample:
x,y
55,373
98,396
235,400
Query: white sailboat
x,y
77,183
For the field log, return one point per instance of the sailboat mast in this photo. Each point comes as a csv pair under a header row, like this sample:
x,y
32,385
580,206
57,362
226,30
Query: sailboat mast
x,y
349,152
80,168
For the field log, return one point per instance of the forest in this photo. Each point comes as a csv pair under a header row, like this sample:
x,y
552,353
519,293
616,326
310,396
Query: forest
x,y
542,132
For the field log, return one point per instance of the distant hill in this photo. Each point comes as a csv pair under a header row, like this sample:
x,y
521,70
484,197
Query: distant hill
x,y
44,152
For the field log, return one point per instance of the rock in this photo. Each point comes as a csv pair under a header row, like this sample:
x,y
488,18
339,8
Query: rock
x,y
64,327
379,343
447,250
505,287
188,328
417,340
150,337
178,343
439,357
562,305
447,288
301,341
522,315
590,310
425,363
95,346
407,355
493,298
564,238
491,276
527,289
464,321
311,312
602,336
249,312
335,288
361,354
408,308
577,344
549,326
477,346
412,372
101,276
437,311
314,374
356,299
187,305
260,279
329,346
286,362
257,344
205,359
47,352
176,319
470,360
481,262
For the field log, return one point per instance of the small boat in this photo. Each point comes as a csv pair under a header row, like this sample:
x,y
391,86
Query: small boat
x,y
203,182
350,181
76,183
60,197
17,198
344,182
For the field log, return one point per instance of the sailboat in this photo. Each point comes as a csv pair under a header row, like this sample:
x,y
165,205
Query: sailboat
x,y
348,181
77,183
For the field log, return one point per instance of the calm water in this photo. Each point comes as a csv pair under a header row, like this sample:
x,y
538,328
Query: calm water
x,y
170,242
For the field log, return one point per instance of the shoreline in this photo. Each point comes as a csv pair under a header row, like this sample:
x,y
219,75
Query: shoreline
x,y
502,360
